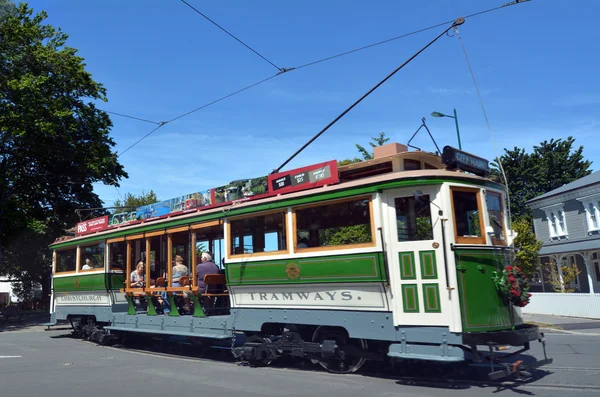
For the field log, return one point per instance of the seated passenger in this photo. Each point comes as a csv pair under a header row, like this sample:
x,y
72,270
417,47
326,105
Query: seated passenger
x,y
205,266
179,270
137,276
88,265
303,243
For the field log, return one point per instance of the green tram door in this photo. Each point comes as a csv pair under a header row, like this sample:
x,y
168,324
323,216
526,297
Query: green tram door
x,y
482,307
415,257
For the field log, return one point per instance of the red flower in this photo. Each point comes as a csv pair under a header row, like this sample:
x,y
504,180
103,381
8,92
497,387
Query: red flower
x,y
517,269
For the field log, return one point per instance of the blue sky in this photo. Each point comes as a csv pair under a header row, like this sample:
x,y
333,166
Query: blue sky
x,y
536,65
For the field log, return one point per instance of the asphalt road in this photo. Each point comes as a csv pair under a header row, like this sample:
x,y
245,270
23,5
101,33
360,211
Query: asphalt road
x,y
34,362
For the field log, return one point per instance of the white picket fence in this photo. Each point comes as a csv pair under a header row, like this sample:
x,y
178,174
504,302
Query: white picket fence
x,y
570,305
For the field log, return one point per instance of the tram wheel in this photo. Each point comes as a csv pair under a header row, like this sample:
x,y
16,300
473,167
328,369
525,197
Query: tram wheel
x,y
266,357
350,363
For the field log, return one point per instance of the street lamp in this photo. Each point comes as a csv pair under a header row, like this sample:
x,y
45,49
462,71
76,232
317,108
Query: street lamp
x,y
438,114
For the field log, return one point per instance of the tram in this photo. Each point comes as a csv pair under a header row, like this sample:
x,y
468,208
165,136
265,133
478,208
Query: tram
x,y
390,259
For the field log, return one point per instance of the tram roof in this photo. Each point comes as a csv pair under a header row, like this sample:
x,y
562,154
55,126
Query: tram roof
x,y
388,178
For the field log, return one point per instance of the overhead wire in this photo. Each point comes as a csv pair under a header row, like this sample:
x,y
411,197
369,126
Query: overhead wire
x,y
132,117
224,97
283,71
487,121
139,140
230,34
458,22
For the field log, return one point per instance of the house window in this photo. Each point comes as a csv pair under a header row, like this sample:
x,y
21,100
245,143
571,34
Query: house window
x,y
557,224
596,263
591,205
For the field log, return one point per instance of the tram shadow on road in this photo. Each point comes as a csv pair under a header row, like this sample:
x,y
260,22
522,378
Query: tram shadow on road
x,y
409,373
463,376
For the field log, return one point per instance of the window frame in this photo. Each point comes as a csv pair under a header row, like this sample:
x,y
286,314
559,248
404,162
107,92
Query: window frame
x,y
371,244
462,239
80,252
594,202
497,241
56,254
230,255
395,220
556,228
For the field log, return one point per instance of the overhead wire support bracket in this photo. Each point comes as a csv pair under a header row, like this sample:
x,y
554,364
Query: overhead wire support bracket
x,y
457,22
423,124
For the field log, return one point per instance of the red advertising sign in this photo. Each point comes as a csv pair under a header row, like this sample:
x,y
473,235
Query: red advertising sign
x,y
92,226
304,178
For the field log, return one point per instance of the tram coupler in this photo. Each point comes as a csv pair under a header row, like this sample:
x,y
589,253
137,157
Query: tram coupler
x,y
517,368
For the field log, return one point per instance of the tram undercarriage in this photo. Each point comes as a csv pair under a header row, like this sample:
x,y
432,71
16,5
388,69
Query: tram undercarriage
x,y
336,352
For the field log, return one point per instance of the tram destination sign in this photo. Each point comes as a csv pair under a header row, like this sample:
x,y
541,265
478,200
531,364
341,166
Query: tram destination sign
x,y
304,178
457,159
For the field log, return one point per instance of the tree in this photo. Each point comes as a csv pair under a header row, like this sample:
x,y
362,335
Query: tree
x,y
551,165
366,155
7,8
54,142
528,247
131,201
563,281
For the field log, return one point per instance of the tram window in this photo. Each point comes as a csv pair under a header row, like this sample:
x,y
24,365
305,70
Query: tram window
x,y
336,224
211,239
467,216
496,217
65,261
411,165
264,233
157,256
117,255
91,257
413,219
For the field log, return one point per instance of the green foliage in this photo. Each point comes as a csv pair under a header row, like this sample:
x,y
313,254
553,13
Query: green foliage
x,y
424,230
7,8
54,143
528,247
132,201
366,155
200,248
354,234
569,275
551,165
348,161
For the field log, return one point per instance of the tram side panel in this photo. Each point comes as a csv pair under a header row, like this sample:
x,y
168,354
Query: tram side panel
x,y
82,294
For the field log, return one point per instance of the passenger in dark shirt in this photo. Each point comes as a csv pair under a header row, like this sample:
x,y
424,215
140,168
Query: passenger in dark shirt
x,y
204,267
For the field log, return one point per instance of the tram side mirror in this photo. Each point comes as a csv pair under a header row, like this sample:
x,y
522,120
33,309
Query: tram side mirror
x,y
418,196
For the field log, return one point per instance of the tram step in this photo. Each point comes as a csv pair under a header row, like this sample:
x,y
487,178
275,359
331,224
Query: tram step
x,y
427,357
165,332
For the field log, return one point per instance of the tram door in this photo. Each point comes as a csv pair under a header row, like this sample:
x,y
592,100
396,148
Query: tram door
x,y
415,257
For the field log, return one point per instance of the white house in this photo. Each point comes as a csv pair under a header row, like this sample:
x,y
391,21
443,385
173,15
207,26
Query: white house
x,y
567,220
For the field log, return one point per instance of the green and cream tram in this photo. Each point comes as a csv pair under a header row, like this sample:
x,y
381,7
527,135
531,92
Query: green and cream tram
x,y
392,258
